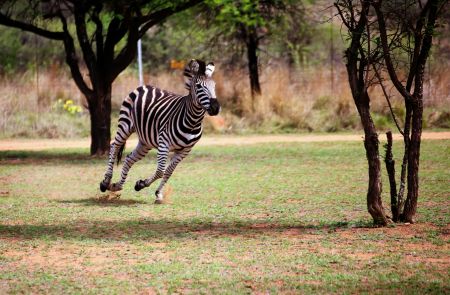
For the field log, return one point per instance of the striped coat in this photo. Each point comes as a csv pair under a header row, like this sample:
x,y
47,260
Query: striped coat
x,y
165,121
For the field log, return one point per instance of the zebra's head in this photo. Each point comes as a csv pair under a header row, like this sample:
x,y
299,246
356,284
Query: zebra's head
x,y
201,86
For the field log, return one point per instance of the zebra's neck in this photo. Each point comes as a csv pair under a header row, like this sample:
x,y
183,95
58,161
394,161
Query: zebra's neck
x,y
193,114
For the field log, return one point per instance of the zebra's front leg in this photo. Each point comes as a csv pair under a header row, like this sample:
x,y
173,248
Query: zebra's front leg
x,y
137,154
163,153
177,158
113,150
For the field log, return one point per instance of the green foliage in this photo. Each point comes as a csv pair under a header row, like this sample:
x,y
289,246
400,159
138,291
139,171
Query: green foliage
x,y
206,33
20,51
183,37
234,13
286,34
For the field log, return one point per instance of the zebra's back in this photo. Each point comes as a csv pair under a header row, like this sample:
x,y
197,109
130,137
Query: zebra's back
x,y
148,109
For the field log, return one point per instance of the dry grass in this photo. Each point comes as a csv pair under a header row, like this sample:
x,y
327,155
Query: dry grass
x,y
303,99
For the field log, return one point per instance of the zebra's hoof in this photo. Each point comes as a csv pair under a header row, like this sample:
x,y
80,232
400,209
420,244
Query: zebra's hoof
x,y
159,198
103,187
140,184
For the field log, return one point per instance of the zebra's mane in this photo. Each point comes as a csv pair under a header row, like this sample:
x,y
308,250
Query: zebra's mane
x,y
189,71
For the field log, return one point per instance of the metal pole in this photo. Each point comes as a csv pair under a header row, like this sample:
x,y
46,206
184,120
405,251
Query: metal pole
x,y
331,52
36,60
139,48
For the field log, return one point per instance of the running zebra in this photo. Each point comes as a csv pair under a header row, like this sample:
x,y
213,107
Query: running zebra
x,y
165,121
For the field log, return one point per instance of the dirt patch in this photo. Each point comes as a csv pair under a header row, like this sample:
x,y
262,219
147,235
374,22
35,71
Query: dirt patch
x,y
362,256
401,230
443,262
87,260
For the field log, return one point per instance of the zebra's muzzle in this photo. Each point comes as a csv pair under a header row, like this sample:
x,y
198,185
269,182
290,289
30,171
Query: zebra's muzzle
x,y
214,107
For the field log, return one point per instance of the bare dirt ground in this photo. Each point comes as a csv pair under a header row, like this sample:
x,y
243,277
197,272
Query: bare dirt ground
x,y
214,140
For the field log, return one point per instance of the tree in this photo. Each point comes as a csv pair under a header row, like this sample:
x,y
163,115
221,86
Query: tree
x,y
99,37
417,24
355,18
389,38
249,22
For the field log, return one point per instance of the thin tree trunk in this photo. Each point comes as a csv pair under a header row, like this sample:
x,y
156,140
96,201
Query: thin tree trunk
x,y
414,103
100,115
374,203
252,56
371,143
406,140
417,114
413,163
356,66
390,168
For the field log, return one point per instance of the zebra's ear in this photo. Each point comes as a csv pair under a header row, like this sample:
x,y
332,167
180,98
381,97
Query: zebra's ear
x,y
209,69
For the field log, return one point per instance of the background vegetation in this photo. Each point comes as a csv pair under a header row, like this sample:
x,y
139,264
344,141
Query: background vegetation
x,y
291,220
304,84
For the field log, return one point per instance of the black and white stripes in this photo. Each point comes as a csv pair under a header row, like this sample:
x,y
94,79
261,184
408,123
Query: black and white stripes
x,y
165,121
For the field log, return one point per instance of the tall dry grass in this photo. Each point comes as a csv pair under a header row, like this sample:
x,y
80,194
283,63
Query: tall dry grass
x,y
308,99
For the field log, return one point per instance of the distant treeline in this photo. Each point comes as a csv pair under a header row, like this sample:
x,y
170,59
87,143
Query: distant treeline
x,y
297,37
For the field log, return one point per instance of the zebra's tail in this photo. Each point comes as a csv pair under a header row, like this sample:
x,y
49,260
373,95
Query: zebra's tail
x,y
120,153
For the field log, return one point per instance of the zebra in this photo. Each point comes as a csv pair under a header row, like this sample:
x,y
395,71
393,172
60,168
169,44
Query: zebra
x,y
165,121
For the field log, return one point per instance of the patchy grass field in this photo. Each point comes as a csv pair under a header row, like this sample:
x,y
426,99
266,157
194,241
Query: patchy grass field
x,y
276,218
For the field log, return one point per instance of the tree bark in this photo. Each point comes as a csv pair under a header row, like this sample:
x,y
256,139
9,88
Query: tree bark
x,y
413,163
390,168
252,43
356,66
406,140
100,117
371,144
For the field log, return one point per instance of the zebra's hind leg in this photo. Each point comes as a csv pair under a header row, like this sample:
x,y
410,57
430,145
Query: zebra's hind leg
x,y
124,130
138,153
176,159
163,153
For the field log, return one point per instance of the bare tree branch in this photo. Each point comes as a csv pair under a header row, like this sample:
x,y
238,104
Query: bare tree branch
x,y
88,54
5,20
72,60
386,95
386,52
149,20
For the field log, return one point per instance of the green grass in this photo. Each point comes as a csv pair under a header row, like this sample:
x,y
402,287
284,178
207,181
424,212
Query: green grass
x,y
276,218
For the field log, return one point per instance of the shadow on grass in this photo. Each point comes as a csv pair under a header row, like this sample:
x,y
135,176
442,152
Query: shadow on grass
x,y
103,201
146,229
79,156
72,156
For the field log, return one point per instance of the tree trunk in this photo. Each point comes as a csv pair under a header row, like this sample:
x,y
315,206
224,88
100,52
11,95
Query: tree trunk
x,y
390,168
413,162
406,140
252,47
100,115
374,202
356,65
